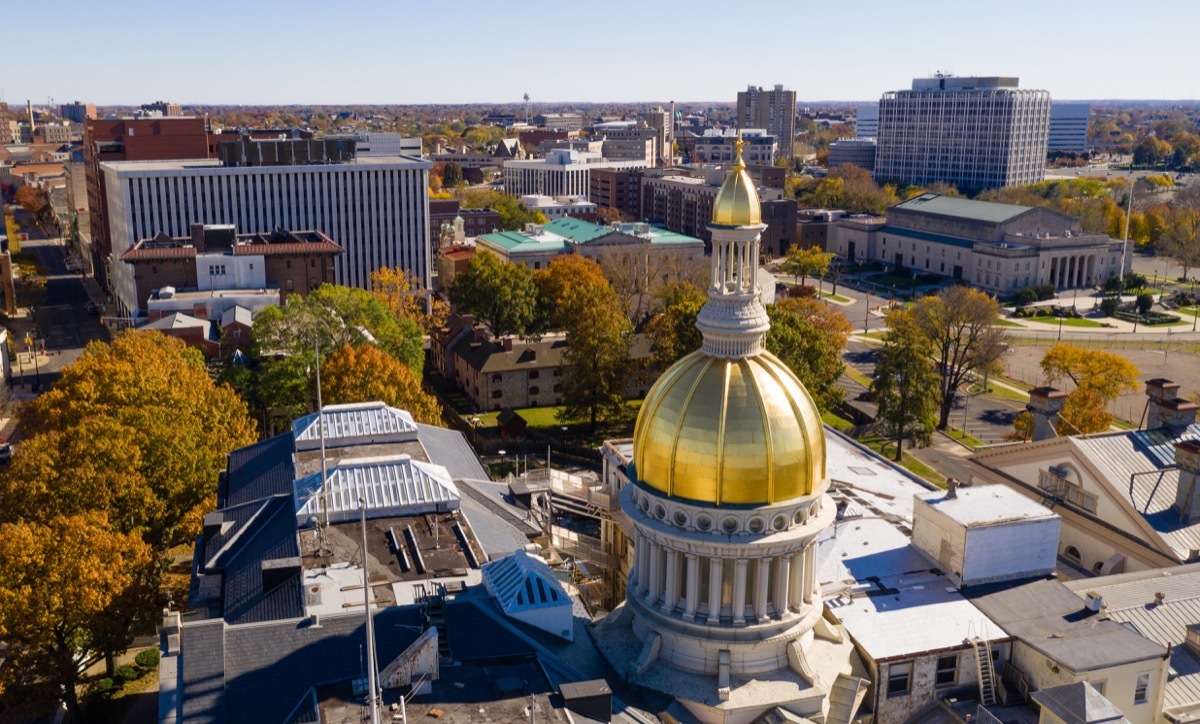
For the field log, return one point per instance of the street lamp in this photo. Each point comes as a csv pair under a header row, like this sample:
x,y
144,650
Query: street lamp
x,y
501,459
31,341
867,316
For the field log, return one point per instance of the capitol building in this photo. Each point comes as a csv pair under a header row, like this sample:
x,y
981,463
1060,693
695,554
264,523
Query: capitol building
x,y
726,500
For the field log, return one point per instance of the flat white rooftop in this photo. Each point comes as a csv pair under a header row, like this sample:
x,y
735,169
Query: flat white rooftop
x,y
135,167
887,594
986,504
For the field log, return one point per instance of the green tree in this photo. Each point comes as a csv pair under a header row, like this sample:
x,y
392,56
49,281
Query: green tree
x,y
452,174
906,385
403,294
802,263
960,338
62,580
809,337
367,374
673,333
598,339
502,296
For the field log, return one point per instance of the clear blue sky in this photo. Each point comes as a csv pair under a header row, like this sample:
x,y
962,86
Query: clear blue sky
x,y
462,51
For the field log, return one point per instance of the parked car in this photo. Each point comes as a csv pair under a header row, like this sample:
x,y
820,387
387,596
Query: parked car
x,y
5,453
93,308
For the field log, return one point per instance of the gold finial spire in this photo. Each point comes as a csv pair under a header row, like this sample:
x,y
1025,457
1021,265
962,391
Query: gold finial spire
x,y
737,145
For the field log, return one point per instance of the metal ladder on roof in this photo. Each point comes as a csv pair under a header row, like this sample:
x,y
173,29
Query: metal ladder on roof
x,y
984,671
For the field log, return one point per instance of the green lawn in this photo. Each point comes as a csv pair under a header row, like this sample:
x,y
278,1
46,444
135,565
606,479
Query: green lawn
x,y
835,297
545,419
1000,392
858,377
1194,311
1001,322
1066,321
963,437
836,422
886,449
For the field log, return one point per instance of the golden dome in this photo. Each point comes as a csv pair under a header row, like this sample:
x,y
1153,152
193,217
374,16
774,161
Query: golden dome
x,y
730,431
737,202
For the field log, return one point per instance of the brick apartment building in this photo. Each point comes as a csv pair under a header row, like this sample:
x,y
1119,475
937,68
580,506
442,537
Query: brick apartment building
x,y
216,257
475,221
517,373
618,189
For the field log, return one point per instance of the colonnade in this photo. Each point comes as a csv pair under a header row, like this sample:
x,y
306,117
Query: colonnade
x,y
1067,272
715,590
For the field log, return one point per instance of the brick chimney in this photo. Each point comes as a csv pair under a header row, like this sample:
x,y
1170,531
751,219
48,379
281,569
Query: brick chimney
x,y
198,238
1187,492
1045,403
1166,409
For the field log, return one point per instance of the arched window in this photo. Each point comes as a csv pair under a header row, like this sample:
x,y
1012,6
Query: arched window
x,y
1073,552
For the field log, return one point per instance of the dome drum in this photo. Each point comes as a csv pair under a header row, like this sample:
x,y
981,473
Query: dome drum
x,y
705,524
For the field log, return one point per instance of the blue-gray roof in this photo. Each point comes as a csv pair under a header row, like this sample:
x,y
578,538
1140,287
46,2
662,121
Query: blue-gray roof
x,y
926,236
987,211
259,471
261,673
449,448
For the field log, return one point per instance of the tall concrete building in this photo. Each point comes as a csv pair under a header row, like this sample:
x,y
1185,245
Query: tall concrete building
x,y
131,139
376,208
563,172
1069,127
663,121
866,121
77,112
773,110
169,110
975,133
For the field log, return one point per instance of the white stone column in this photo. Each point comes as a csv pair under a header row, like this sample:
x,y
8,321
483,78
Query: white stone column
x,y
640,546
715,570
655,586
693,586
671,594
739,592
760,589
782,585
810,572
796,581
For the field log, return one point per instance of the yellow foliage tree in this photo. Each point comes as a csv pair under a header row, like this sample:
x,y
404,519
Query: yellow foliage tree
x,y
401,291
1104,373
157,392
62,580
367,373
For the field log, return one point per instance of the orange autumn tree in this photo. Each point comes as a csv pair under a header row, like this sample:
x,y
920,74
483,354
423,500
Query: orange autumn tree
x,y
367,374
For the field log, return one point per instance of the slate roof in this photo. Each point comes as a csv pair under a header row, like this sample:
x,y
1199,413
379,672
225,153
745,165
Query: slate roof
x,y
1136,466
488,355
963,208
274,537
1053,620
261,673
258,471
449,449
1078,703
239,314
1129,599
178,320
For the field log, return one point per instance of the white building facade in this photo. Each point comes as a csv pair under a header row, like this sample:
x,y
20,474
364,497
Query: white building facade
x,y
563,172
376,208
975,133
1069,127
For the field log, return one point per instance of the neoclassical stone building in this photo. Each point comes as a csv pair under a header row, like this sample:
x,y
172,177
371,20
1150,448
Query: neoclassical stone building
x,y
726,501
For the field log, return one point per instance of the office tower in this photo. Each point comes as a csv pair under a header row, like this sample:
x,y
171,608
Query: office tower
x,y
376,208
77,112
773,110
975,133
866,122
1069,127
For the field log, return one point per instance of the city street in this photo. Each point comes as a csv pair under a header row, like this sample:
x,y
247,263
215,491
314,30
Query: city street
x,y
63,326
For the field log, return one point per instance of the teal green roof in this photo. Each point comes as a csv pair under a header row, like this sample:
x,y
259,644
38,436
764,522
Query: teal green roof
x,y
963,208
581,231
567,231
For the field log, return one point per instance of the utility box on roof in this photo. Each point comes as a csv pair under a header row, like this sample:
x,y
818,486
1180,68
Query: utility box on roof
x,y
985,534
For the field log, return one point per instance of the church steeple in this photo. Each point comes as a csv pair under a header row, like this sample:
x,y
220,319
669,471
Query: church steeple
x,y
733,321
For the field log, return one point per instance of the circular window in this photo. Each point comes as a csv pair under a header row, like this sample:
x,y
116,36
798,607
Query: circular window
x,y
644,505
680,518
798,518
660,512
704,522
730,525
756,525
779,523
